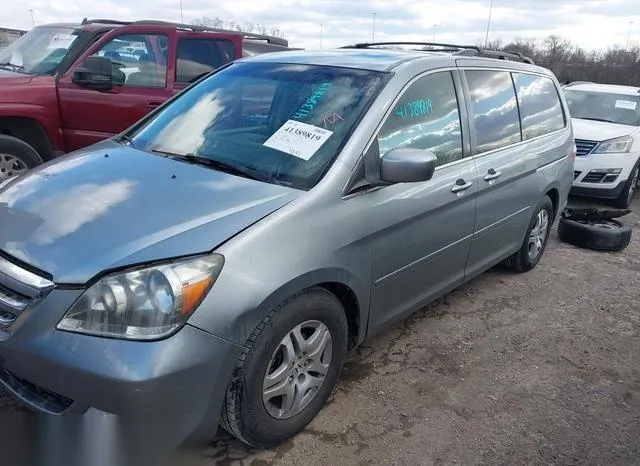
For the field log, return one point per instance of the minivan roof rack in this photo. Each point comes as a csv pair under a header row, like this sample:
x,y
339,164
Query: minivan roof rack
x,y
575,83
465,50
191,27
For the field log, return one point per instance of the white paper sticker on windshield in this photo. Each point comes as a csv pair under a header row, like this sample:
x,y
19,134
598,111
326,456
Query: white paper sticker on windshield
x,y
61,41
627,104
298,139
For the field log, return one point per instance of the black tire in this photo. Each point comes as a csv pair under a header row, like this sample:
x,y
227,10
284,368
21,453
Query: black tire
x,y
624,199
16,156
606,235
244,414
521,261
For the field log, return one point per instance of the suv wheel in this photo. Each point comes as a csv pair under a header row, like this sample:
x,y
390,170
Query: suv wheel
x,y
626,196
16,157
287,369
535,240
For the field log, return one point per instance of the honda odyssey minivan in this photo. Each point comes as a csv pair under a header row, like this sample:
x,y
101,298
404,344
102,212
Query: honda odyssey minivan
x,y
215,261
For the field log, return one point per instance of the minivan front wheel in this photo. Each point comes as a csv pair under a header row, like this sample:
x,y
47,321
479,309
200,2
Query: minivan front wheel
x,y
287,369
536,238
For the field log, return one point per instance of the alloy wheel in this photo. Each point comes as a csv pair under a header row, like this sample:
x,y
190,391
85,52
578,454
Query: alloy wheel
x,y
297,369
10,166
538,234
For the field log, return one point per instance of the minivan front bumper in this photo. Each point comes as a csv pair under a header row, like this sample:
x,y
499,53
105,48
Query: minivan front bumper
x,y
168,389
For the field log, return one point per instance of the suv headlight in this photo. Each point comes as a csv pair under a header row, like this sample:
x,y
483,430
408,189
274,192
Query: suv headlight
x,y
144,304
616,145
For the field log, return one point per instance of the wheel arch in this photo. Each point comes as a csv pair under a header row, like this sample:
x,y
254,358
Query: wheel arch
x,y
30,131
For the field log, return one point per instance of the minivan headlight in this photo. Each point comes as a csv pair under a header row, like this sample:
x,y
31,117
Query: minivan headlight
x,y
616,145
144,304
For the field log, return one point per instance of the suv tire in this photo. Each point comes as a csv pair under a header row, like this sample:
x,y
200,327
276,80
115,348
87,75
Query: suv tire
x,y
626,196
601,235
535,241
273,357
16,156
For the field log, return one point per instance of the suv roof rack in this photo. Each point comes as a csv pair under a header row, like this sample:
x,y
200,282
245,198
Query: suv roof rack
x,y
466,50
191,27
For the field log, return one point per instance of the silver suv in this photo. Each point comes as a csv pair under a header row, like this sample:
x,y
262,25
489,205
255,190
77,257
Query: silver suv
x,y
217,260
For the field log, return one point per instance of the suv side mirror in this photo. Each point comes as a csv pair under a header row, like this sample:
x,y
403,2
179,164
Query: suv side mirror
x,y
96,73
406,165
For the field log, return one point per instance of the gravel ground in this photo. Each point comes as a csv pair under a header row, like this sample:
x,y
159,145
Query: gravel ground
x,y
539,368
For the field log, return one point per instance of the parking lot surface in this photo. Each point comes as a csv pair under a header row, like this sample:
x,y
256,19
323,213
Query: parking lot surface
x,y
538,368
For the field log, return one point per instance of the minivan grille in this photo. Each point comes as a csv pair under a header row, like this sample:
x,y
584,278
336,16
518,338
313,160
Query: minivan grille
x,y
584,147
18,289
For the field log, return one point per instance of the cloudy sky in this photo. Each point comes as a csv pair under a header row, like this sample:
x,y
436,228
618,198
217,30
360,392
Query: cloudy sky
x,y
592,23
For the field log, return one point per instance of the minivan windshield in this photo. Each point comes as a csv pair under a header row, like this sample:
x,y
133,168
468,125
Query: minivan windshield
x,y
39,51
278,123
604,106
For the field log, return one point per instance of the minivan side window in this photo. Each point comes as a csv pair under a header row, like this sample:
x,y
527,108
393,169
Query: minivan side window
x,y
494,109
540,108
196,57
426,117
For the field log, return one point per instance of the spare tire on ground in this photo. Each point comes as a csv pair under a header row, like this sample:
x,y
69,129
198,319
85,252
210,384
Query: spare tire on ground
x,y
599,235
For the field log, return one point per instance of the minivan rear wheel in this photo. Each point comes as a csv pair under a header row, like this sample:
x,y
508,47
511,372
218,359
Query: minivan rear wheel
x,y
287,369
535,241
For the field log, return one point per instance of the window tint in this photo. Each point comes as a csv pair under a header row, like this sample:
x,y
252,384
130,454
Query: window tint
x,y
426,117
137,59
540,108
494,109
200,56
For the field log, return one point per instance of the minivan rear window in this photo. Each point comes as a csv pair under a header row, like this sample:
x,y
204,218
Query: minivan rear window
x,y
540,108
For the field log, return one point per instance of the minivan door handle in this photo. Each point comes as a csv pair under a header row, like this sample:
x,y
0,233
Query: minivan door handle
x,y
461,186
492,175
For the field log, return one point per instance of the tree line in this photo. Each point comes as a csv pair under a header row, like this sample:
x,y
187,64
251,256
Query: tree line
x,y
255,28
571,62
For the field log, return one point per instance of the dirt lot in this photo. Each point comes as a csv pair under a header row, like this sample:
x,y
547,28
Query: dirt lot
x,y
537,368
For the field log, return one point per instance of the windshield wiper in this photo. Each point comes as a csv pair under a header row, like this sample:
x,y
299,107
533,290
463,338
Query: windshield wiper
x,y
13,66
210,163
597,119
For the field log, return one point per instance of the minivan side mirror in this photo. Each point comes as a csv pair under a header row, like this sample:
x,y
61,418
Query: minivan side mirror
x,y
407,165
96,73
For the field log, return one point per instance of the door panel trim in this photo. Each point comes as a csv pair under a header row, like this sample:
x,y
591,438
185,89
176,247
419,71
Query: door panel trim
x,y
501,221
423,259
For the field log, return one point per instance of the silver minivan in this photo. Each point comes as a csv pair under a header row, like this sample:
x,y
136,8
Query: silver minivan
x,y
215,262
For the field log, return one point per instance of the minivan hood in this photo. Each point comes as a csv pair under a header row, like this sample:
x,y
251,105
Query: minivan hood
x,y
12,77
600,130
111,206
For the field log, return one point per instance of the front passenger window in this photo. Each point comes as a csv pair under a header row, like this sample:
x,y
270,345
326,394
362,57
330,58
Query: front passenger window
x,y
426,117
135,60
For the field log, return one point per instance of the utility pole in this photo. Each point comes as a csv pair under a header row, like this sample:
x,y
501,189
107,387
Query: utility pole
x,y
321,35
435,26
486,37
373,30
33,21
626,47
181,14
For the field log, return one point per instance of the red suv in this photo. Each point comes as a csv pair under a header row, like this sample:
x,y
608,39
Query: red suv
x,y
66,86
